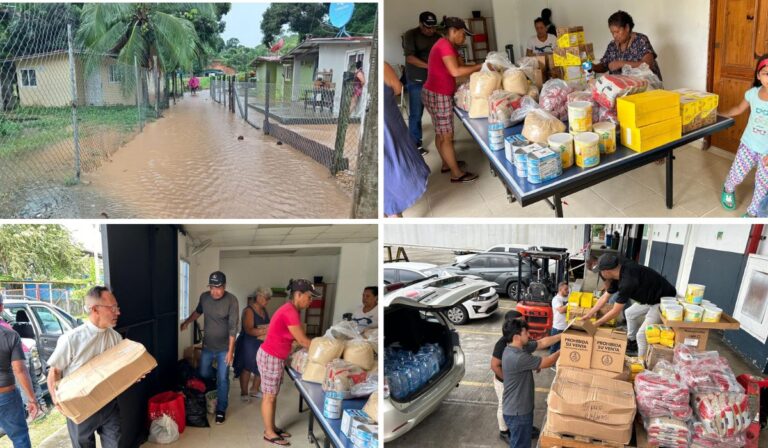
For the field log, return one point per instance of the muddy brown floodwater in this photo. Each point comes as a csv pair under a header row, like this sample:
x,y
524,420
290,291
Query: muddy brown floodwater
x,y
190,164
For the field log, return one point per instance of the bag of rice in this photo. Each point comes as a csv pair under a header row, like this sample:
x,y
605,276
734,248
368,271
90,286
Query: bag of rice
x,y
340,376
540,124
497,61
372,407
314,373
515,81
324,349
501,106
360,353
461,98
528,65
299,360
643,72
481,85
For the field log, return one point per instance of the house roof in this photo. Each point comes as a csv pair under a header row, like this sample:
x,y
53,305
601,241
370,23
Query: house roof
x,y
52,53
311,45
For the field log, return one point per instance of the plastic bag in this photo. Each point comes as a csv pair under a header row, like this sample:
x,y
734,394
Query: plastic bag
x,y
481,85
514,80
604,114
367,387
211,400
554,98
163,430
501,106
194,406
324,349
497,61
299,360
643,72
540,124
722,414
705,371
360,353
609,87
372,407
341,375
343,331
168,403
462,98
529,66
661,393
704,439
314,373
667,432
533,92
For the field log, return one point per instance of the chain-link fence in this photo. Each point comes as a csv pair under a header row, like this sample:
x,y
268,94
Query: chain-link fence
x,y
63,109
321,119
61,298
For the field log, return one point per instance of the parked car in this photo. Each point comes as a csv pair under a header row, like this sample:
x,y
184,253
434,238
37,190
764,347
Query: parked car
x,y
414,317
506,248
497,267
404,271
484,305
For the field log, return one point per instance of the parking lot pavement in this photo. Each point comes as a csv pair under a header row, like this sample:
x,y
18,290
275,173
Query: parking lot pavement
x,y
467,416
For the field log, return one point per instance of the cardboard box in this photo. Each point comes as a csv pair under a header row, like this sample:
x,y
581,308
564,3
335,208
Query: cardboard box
x,y
652,136
609,348
622,376
566,424
695,338
352,418
643,109
657,352
102,379
573,55
580,393
576,344
570,36
586,299
726,323
539,77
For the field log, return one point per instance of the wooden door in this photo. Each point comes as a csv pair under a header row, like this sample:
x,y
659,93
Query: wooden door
x,y
741,35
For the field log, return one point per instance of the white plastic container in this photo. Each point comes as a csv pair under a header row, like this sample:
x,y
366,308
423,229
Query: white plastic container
x,y
562,144
712,314
693,313
607,133
580,116
665,302
587,149
675,313
694,293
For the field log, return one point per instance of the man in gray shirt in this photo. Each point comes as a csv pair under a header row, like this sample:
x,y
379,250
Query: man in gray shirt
x,y
219,330
517,365
417,43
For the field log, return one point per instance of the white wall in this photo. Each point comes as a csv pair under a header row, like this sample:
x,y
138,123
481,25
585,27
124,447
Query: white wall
x,y
482,236
358,268
335,57
402,15
679,31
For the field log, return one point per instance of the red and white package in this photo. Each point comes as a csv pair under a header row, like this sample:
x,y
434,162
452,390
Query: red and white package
x,y
662,393
609,87
667,432
554,98
721,415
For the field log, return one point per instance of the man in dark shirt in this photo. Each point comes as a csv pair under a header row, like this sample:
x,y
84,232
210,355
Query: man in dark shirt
x,y
417,43
634,282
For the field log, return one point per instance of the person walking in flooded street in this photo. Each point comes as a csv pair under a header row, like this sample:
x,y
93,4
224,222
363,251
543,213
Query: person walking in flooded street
x,y
194,84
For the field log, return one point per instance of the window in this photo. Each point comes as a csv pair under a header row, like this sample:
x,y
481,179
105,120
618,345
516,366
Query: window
x,y
288,71
28,77
752,304
477,262
501,262
183,289
353,57
49,323
390,276
115,74
407,276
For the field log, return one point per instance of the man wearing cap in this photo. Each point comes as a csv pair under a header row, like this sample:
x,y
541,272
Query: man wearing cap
x,y
284,328
417,43
634,282
221,321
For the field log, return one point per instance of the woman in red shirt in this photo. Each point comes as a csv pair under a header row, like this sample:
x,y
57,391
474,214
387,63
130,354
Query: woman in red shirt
x,y
437,95
284,328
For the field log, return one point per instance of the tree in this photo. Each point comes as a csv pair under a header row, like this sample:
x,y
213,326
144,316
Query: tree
x,y
311,18
365,201
41,252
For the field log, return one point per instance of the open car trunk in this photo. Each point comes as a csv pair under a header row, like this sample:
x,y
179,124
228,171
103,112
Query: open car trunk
x,y
411,328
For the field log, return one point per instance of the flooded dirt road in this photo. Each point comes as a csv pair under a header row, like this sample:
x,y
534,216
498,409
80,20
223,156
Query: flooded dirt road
x,y
191,164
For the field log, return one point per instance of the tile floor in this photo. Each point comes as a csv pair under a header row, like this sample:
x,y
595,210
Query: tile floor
x,y
698,180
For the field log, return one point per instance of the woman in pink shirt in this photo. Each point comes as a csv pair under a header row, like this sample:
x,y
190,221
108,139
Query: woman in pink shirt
x,y
284,328
437,95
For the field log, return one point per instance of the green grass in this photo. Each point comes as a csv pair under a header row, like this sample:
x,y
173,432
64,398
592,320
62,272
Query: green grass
x,y
41,429
32,128
205,83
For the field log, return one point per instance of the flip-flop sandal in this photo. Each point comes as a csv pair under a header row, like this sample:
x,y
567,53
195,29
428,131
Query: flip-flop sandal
x,y
465,178
462,164
283,433
747,215
276,440
726,199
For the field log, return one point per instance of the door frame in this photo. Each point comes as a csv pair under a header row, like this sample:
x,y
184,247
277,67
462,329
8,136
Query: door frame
x,y
711,58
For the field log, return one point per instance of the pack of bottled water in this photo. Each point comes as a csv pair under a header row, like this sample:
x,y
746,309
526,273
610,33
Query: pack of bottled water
x,y
407,372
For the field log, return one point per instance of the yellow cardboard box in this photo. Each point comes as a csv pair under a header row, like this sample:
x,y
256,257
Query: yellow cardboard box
x,y
698,109
652,136
586,299
569,56
643,109
575,297
570,36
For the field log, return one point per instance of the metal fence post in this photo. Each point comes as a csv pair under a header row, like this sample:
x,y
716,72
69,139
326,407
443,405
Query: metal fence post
x,y
73,84
342,123
245,100
266,105
138,91
157,86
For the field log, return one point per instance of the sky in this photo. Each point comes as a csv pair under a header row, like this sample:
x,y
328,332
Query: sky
x,y
244,23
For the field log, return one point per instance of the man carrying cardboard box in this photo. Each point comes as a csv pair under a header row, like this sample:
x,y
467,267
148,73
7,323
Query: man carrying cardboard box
x,y
221,324
517,365
77,347
636,282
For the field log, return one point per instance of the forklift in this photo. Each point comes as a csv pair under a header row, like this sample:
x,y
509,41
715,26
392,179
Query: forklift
x,y
535,301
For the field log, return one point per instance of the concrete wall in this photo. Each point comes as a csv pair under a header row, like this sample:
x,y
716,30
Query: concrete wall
x,y
679,31
334,56
112,92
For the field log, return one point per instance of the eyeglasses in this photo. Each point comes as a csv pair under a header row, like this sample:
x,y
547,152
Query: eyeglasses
x,y
113,308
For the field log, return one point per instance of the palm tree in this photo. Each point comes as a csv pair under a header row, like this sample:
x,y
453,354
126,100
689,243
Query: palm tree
x,y
141,31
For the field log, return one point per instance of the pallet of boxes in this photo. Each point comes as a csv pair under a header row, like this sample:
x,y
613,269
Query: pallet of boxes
x,y
591,401
345,363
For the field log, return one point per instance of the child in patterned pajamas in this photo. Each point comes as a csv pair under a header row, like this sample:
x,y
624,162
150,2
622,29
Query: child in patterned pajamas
x,y
753,149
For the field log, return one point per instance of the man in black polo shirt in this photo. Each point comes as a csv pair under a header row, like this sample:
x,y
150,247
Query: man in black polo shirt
x,y
417,43
634,282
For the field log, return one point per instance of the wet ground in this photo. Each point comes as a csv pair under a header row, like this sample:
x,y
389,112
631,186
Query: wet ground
x,y
467,417
192,164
